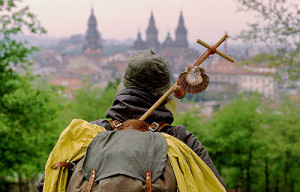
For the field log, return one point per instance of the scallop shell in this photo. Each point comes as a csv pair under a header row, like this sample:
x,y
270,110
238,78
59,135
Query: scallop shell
x,y
193,80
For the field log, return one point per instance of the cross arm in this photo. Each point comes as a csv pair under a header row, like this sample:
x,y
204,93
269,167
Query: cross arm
x,y
217,51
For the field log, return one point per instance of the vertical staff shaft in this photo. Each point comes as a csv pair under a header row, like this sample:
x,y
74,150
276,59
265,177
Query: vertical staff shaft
x,y
164,97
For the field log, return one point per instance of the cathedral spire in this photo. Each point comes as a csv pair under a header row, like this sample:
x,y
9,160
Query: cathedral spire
x,y
181,33
168,43
181,21
92,36
151,20
152,33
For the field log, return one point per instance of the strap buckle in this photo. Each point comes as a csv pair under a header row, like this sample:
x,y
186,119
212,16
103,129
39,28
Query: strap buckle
x,y
73,166
116,125
155,128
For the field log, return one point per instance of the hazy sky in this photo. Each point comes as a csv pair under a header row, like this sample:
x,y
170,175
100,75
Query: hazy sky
x,y
121,19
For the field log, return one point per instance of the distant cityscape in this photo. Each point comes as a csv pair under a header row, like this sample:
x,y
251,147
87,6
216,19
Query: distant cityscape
x,y
88,58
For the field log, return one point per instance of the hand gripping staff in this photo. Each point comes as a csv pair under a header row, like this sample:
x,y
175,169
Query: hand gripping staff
x,y
193,80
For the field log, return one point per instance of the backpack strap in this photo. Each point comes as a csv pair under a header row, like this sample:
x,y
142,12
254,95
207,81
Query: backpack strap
x,y
161,126
137,124
69,165
91,181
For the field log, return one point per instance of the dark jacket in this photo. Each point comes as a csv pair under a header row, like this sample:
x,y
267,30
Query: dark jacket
x,y
132,103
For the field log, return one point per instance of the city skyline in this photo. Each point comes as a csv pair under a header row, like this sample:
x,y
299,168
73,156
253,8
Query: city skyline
x,y
69,17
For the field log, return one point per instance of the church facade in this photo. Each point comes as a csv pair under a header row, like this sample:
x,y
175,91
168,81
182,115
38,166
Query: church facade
x,y
151,42
176,51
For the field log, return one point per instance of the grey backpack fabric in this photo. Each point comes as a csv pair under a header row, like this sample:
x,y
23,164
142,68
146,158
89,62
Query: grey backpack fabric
x,y
121,183
121,159
129,152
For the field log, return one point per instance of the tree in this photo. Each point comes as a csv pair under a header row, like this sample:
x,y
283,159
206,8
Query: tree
x,y
232,132
252,142
279,28
28,130
13,53
27,112
281,132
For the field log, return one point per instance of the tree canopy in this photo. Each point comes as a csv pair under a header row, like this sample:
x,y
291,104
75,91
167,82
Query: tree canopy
x,y
252,142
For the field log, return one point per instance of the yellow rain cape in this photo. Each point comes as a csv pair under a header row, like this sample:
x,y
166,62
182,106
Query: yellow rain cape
x,y
191,173
70,147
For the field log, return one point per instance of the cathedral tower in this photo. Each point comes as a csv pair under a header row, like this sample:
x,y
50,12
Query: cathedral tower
x,y
168,43
181,34
152,33
92,36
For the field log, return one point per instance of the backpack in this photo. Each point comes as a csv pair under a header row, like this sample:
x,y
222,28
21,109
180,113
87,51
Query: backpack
x,y
73,146
132,158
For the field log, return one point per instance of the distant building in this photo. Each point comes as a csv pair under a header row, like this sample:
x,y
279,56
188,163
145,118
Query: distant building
x,y
70,84
90,65
226,77
114,68
260,79
168,43
152,37
139,44
85,66
176,52
223,76
181,34
92,36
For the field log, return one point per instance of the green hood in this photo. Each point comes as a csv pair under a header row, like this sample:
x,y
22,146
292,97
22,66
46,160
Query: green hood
x,y
149,71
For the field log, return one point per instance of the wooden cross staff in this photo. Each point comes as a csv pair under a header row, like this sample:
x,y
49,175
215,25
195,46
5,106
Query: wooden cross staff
x,y
210,50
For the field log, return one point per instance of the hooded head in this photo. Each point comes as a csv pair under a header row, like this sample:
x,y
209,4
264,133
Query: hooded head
x,y
149,71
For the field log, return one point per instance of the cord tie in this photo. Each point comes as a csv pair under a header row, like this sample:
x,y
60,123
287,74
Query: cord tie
x,y
180,94
211,52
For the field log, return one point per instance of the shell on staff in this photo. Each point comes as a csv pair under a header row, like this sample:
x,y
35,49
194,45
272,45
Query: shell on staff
x,y
193,80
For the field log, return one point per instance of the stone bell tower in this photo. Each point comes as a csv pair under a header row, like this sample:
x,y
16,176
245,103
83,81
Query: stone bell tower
x,y
92,36
181,34
152,34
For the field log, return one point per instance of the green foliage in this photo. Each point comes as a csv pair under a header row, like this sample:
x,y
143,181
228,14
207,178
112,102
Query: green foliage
x,y
91,103
211,95
279,29
281,132
192,121
232,133
28,129
253,143
26,112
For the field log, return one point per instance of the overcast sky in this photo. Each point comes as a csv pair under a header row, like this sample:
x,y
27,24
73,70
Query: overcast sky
x,y
121,19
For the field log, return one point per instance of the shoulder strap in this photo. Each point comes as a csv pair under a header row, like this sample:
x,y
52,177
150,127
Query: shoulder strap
x,y
155,126
162,125
91,181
